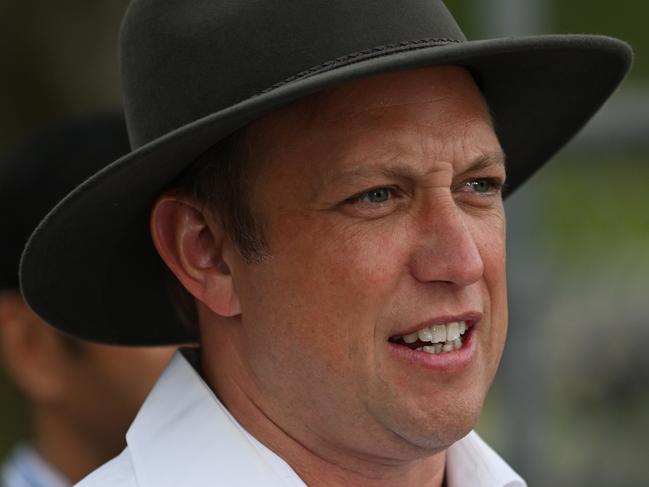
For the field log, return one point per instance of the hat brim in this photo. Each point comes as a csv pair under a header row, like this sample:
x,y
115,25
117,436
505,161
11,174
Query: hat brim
x,y
91,270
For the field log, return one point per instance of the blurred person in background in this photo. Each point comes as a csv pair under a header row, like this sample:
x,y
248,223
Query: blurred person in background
x,y
82,395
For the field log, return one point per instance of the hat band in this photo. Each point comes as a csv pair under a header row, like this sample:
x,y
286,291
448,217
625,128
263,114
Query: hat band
x,y
363,56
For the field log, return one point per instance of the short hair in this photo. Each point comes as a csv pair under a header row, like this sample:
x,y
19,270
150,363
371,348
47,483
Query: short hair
x,y
219,178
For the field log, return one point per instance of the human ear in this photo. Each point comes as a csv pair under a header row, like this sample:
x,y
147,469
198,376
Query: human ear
x,y
193,244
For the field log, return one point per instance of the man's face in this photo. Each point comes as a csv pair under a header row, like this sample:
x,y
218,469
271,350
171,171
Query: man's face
x,y
383,216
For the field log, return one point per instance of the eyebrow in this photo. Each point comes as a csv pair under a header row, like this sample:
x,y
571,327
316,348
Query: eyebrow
x,y
399,170
487,160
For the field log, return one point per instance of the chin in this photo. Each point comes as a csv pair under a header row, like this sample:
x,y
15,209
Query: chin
x,y
439,426
442,437
448,430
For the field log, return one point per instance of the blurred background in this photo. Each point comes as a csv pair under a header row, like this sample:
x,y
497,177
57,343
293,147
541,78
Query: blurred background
x,y
570,405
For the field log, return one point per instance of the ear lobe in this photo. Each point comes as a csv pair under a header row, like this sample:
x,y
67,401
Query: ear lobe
x,y
191,243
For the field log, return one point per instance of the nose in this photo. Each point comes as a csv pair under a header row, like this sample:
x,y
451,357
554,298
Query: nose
x,y
445,248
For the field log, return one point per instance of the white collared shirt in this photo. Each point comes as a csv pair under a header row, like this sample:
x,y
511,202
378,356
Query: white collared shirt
x,y
184,437
26,468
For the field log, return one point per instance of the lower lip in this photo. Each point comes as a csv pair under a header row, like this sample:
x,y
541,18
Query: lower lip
x,y
447,362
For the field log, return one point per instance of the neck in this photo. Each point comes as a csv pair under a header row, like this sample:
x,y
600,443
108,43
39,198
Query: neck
x,y
322,470
317,461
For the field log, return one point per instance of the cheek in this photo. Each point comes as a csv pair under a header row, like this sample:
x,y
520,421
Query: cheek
x,y
495,263
489,235
329,261
331,284
492,248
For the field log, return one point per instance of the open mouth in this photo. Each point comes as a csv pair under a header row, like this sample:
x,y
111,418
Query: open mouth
x,y
436,339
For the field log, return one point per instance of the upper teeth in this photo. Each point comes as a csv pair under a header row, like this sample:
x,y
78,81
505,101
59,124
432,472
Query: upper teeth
x,y
438,333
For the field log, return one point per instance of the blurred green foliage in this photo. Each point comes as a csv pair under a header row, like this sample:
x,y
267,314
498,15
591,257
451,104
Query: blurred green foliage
x,y
14,424
596,207
59,59
625,19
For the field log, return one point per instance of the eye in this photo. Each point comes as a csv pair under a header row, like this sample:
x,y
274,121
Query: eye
x,y
483,185
374,203
374,196
378,195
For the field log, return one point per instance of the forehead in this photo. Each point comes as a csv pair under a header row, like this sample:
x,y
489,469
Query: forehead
x,y
436,111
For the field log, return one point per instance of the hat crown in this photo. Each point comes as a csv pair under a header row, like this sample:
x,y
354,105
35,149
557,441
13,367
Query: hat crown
x,y
183,60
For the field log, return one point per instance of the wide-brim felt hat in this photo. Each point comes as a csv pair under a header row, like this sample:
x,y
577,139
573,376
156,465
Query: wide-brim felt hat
x,y
195,71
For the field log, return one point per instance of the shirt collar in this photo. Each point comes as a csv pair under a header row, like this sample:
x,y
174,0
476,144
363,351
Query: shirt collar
x,y
181,420
471,461
182,423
